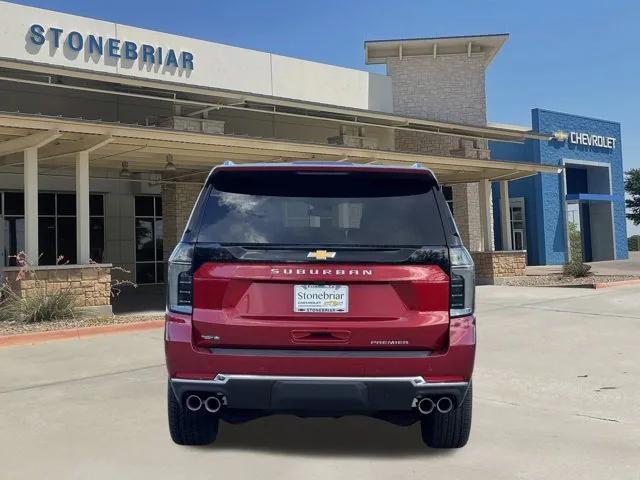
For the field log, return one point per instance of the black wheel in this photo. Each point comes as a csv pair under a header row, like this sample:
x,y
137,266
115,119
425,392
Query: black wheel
x,y
449,430
187,427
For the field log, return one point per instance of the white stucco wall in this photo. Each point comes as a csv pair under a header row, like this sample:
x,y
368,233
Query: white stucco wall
x,y
215,65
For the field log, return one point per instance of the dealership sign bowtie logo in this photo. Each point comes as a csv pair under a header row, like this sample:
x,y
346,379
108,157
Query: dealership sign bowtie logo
x,y
321,255
586,139
112,48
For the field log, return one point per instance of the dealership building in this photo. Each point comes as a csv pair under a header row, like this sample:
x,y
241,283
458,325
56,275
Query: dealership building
x,y
107,132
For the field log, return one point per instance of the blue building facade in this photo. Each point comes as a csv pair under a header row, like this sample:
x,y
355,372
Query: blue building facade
x,y
588,196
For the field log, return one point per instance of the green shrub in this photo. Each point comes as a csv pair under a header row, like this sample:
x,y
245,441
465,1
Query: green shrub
x,y
576,269
38,306
5,296
634,243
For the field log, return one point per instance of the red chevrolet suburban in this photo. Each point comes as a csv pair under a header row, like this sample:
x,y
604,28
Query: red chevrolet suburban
x,y
319,289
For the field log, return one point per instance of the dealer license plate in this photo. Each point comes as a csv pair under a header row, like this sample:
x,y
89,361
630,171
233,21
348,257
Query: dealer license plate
x,y
321,298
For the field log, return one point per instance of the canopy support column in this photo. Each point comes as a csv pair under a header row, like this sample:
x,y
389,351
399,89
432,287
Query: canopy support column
x,y
31,247
82,208
505,215
485,216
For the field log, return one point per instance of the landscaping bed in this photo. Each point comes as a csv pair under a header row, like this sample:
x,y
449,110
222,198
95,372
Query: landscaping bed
x,y
557,280
17,327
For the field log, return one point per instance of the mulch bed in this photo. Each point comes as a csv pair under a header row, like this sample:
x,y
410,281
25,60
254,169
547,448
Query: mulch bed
x,y
17,328
560,281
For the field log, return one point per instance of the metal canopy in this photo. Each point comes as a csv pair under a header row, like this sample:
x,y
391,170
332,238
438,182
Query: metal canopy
x,y
196,100
146,149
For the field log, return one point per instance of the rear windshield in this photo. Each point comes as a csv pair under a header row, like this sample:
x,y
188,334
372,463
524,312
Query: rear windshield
x,y
322,208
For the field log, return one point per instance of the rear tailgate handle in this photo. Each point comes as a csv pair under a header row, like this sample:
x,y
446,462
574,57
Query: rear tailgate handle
x,y
323,336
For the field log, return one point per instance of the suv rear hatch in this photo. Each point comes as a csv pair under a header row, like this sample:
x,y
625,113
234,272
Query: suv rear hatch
x,y
302,257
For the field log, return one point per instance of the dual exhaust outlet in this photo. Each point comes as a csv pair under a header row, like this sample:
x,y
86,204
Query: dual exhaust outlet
x,y
211,404
442,405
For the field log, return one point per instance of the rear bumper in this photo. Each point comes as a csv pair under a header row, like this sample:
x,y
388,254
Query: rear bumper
x,y
317,394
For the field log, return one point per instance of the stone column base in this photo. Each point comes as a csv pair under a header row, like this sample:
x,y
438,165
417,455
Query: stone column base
x,y
492,266
89,284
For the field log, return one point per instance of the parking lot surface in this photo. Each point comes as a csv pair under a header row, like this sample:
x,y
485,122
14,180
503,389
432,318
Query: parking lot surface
x,y
556,389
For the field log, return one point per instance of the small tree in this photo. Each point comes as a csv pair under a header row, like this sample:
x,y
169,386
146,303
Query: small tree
x,y
575,267
632,187
575,243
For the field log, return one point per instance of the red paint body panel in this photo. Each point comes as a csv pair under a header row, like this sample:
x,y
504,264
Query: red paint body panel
x,y
251,306
184,360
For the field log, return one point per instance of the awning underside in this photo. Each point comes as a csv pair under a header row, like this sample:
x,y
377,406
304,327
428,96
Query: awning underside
x,y
146,150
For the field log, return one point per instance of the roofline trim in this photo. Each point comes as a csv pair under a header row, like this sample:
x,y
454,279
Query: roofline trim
x,y
453,37
491,45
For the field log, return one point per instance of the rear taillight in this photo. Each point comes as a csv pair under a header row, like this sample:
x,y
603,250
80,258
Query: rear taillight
x,y
463,282
180,290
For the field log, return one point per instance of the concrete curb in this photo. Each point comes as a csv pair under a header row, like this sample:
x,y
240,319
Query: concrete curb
x,y
40,337
620,283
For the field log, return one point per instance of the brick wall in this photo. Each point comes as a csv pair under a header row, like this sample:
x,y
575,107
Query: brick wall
x,y
177,202
90,284
491,266
448,88
466,208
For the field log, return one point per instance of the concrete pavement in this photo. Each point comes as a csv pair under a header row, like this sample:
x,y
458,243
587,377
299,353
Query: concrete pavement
x,y
630,266
557,395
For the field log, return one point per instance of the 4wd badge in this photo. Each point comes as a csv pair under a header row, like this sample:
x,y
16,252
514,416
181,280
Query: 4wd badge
x,y
321,254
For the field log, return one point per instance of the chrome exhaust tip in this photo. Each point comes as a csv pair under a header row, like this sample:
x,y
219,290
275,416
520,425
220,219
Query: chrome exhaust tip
x,y
444,405
194,403
426,406
212,404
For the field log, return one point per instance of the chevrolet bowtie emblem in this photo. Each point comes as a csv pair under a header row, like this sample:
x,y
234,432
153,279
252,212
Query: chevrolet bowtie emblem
x,y
321,254
560,136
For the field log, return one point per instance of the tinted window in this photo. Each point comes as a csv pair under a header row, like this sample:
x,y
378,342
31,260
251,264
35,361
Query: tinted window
x,y
47,240
13,203
96,239
322,208
145,273
144,206
67,239
158,206
144,240
96,205
66,204
46,204
13,238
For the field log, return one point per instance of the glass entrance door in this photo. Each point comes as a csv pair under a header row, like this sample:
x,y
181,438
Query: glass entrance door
x,y
518,224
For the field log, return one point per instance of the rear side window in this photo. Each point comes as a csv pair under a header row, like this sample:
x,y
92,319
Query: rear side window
x,y
321,208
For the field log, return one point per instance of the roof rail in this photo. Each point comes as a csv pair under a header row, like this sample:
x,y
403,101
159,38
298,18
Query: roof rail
x,y
417,165
319,162
228,163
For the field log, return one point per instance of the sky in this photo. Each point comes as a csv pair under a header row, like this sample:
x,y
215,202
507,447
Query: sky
x,y
577,56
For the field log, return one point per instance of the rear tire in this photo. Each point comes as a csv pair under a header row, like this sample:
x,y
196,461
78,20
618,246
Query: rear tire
x,y
187,427
449,430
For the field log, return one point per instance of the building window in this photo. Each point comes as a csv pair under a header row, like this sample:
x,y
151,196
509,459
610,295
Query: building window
x,y
56,227
149,254
448,196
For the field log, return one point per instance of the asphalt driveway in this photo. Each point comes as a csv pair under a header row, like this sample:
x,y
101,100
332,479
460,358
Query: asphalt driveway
x,y
557,396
